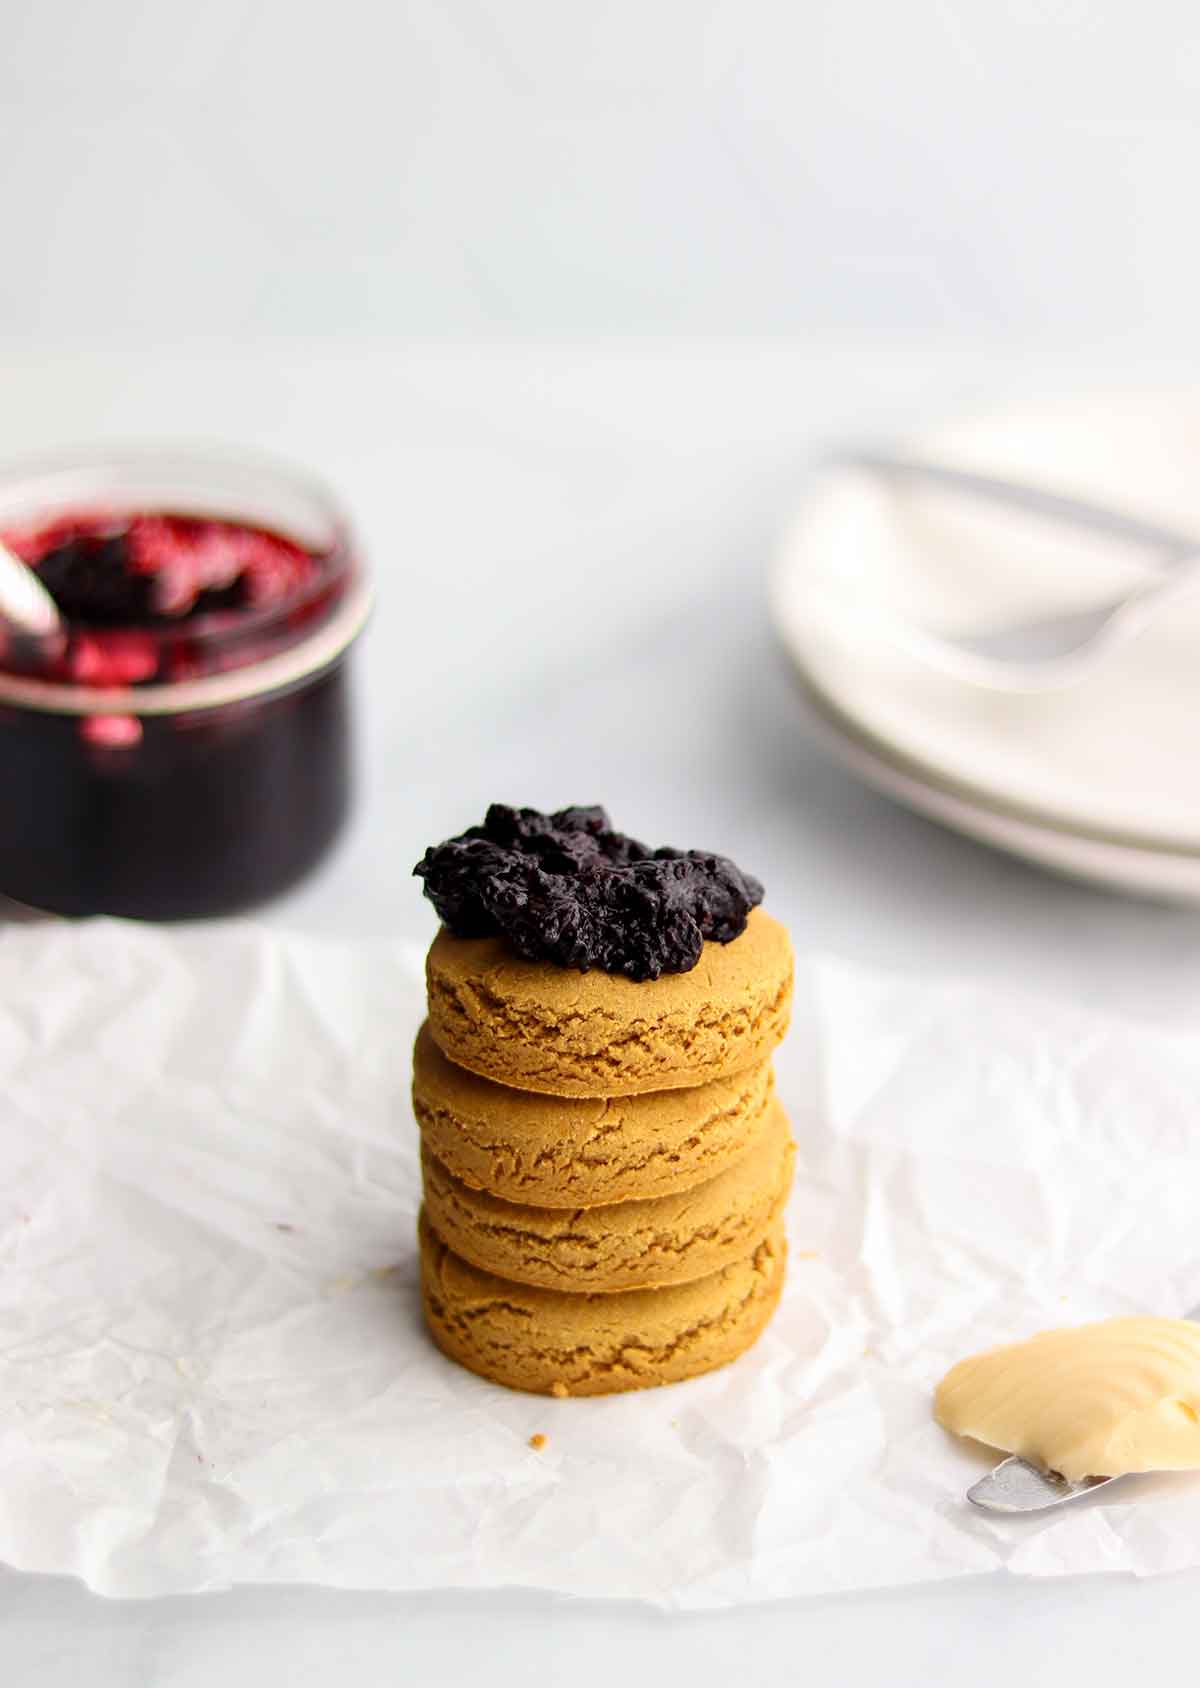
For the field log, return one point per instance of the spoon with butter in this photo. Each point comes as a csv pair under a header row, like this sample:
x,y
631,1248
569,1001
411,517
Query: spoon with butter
x,y
1078,1408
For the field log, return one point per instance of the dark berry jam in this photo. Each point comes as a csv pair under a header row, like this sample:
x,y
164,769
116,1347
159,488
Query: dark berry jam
x,y
131,588
183,750
189,818
566,888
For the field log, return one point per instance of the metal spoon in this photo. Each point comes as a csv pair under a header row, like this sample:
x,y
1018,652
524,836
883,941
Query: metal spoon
x,y
25,604
1043,653
1017,1486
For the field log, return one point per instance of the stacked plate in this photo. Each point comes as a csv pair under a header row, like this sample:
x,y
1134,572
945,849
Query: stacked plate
x,y
1101,779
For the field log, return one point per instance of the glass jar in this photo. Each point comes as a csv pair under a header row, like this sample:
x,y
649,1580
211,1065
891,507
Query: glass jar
x,y
215,773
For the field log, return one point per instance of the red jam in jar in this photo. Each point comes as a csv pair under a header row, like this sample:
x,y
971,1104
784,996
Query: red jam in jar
x,y
183,748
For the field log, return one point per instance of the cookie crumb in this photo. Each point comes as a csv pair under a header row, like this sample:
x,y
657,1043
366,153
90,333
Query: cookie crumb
x,y
559,1390
537,1442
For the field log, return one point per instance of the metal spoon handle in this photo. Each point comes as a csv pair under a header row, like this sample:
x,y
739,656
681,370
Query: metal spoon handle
x,y
1017,1486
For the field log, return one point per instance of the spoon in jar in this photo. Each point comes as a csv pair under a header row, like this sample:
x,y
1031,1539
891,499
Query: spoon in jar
x,y
25,604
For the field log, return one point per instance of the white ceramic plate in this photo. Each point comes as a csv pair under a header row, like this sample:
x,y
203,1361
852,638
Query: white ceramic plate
x,y
1102,781
1173,875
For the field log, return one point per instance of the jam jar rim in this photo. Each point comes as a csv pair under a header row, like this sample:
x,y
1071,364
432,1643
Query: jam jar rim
x,y
340,570
283,670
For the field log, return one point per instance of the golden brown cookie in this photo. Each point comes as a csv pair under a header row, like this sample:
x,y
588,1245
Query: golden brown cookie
x,y
549,1343
551,1029
554,1151
628,1245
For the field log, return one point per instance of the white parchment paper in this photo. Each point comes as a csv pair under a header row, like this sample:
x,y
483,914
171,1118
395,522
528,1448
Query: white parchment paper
x,y
212,1367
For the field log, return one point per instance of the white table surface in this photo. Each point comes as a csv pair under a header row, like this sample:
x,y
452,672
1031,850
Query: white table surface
x,y
570,543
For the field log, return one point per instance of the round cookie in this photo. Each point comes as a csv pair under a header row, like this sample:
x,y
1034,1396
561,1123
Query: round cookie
x,y
549,1343
564,1033
551,1151
630,1245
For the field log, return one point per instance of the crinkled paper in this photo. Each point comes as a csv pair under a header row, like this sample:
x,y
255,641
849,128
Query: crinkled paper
x,y
212,1364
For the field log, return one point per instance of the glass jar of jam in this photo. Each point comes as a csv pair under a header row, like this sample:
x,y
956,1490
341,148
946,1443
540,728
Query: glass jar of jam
x,y
182,748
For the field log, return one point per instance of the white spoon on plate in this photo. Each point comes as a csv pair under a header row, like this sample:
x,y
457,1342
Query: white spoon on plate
x,y
1042,653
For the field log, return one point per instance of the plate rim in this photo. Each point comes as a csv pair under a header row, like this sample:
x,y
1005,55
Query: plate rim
x,y
925,773
1110,861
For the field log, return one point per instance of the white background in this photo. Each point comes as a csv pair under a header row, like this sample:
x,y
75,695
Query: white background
x,y
564,298
546,168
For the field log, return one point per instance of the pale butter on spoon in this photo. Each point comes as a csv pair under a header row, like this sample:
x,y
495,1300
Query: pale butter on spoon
x,y
1078,1407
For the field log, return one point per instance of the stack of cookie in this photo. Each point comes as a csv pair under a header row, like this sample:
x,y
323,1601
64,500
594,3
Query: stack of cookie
x,y
605,1162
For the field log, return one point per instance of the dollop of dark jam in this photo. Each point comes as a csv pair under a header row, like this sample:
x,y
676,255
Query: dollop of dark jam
x,y
567,889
